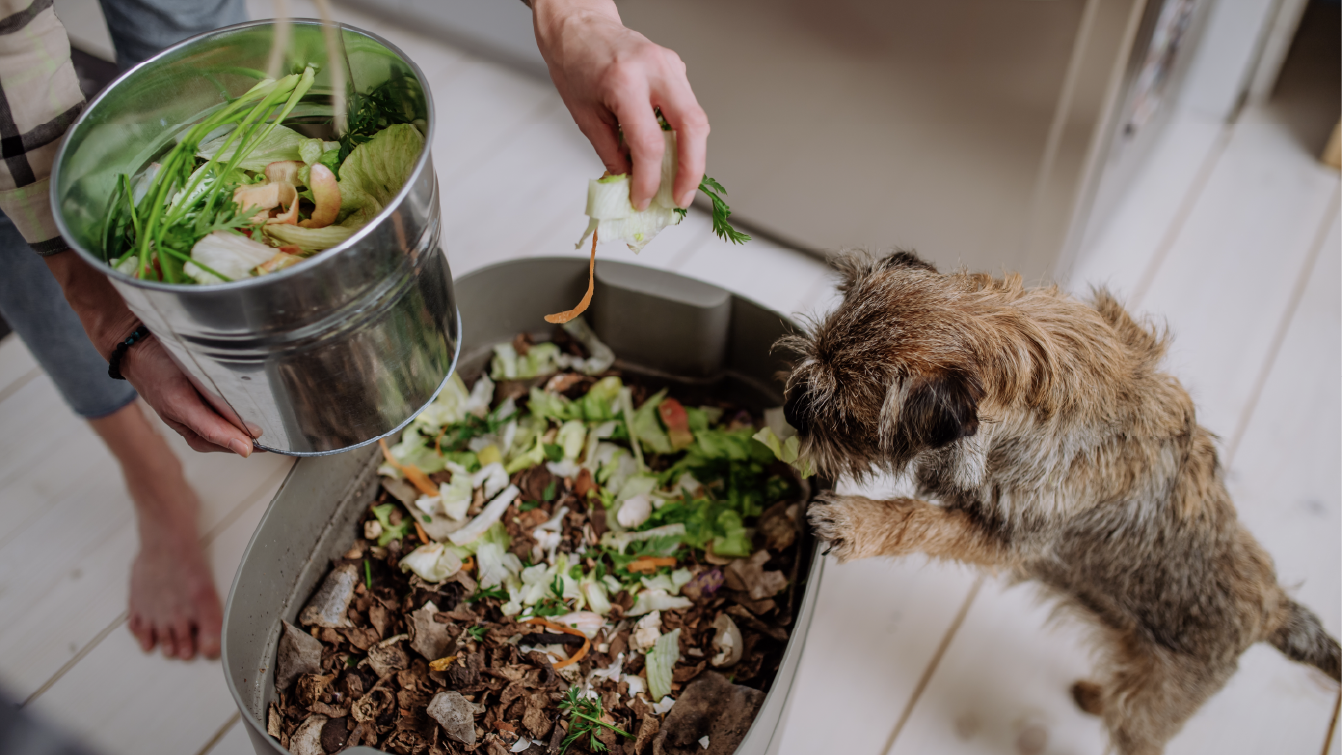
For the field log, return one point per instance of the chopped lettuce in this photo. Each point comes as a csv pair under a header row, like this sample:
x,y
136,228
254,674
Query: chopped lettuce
x,y
572,438
647,427
496,564
492,512
391,532
659,663
433,562
377,170
787,451
282,143
658,600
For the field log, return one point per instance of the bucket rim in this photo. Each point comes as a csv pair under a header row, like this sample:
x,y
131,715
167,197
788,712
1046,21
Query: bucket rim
x,y
422,163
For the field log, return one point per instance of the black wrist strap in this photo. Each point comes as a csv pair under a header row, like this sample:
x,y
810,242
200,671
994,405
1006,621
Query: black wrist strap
x,y
114,361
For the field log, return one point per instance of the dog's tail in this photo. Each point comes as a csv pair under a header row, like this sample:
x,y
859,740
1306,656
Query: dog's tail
x,y
1302,638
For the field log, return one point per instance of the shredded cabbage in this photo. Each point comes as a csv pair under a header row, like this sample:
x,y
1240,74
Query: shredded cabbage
x,y
496,564
620,541
282,143
229,254
376,171
433,562
787,451
657,600
492,512
659,663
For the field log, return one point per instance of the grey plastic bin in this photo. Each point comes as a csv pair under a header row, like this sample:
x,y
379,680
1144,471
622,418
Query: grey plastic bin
x,y
655,321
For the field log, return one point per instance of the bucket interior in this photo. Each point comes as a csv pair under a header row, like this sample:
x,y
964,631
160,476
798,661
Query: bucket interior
x,y
140,116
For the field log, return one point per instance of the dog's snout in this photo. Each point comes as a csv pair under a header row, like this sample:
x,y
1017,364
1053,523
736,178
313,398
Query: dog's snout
x,y
796,408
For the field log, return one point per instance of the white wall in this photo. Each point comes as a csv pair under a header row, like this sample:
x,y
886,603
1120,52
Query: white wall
x,y
1223,63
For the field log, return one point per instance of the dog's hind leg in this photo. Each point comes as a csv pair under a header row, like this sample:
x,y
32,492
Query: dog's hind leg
x,y
857,527
1151,691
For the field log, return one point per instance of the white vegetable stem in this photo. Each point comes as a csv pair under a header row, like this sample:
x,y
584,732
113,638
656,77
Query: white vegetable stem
x,y
492,513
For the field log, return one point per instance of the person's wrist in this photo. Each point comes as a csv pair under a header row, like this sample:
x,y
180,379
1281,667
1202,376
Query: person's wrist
x,y
552,16
106,319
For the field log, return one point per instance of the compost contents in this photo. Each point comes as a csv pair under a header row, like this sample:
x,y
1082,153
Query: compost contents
x,y
564,557
242,194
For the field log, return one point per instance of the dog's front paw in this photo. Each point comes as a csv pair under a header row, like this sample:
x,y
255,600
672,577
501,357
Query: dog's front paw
x,y
846,523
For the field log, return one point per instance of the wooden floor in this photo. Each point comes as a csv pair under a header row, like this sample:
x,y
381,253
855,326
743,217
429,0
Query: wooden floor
x,y
1231,238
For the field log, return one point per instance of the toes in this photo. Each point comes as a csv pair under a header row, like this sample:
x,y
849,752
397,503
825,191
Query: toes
x,y
144,634
184,639
167,644
209,641
209,623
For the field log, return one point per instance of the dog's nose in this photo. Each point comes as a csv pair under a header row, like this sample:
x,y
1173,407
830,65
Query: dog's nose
x,y
795,409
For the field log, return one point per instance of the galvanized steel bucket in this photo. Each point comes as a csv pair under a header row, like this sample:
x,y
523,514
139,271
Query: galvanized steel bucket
x,y
335,352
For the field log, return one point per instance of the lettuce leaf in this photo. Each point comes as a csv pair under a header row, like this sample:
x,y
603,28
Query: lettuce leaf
x,y
788,451
282,143
660,661
377,170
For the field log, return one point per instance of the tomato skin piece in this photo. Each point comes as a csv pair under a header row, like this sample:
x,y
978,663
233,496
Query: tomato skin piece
x,y
677,423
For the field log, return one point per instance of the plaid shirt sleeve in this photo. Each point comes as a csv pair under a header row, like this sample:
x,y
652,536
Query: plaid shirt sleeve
x,y
39,100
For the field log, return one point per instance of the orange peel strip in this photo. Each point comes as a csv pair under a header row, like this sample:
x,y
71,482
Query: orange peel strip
x,y
412,473
563,317
650,563
582,651
386,453
420,480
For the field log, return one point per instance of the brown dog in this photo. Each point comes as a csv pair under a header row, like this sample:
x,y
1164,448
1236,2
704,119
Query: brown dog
x,y
1057,452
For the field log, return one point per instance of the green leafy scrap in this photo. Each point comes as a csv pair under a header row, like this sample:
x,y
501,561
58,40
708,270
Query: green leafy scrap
x,y
584,720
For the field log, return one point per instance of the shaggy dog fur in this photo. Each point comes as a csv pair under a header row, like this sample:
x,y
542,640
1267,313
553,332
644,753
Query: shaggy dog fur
x,y
1057,452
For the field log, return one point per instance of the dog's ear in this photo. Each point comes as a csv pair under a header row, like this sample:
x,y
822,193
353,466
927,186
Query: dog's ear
x,y
924,412
903,258
853,266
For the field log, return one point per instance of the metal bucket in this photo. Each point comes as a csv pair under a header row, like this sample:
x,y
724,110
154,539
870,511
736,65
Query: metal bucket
x,y
328,355
720,340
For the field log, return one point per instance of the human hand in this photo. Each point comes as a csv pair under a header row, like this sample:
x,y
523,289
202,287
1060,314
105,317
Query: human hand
x,y
163,385
611,78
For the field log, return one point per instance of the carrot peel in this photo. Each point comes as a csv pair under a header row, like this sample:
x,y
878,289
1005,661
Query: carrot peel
x,y
649,564
563,317
582,651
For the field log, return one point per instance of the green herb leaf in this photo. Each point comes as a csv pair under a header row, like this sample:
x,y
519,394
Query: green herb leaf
x,y
721,212
584,719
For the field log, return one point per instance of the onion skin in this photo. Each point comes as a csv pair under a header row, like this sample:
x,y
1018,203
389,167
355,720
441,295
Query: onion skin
x,y
326,195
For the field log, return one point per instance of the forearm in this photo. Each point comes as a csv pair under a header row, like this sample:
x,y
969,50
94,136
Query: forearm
x,y
106,319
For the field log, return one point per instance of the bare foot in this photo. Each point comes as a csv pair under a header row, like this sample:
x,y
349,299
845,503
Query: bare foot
x,y
173,603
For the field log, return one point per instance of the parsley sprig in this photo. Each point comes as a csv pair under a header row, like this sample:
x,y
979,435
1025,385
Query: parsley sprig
x,y
721,227
584,718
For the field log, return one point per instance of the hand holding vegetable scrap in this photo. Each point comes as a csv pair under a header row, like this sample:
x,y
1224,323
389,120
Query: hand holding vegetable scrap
x,y
611,79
